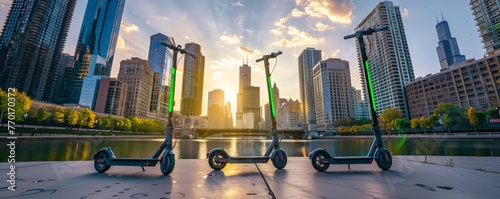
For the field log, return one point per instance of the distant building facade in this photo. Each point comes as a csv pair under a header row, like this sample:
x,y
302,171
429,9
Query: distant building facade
x,y
469,84
389,58
289,115
333,94
138,75
111,97
447,50
487,20
160,59
95,50
192,81
31,45
307,59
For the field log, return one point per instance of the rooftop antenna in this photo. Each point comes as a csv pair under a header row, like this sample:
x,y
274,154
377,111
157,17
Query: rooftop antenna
x,y
247,58
442,16
437,20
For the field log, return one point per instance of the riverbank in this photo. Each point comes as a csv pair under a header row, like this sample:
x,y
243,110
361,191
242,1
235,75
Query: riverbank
x,y
409,177
482,135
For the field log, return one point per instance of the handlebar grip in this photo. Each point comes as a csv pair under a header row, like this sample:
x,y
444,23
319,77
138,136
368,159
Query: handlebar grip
x,y
349,36
167,45
258,60
190,54
278,53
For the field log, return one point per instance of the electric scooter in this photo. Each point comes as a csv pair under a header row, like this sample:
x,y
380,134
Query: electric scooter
x,y
105,157
320,159
218,158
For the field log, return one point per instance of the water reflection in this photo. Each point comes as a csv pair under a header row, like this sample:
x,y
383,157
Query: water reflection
x,y
67,149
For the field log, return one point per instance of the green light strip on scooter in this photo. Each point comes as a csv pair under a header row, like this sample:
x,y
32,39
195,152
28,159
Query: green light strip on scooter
x,y
172,90
273,111
371,86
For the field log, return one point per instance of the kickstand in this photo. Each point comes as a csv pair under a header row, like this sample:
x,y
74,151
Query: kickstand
x,y
143,168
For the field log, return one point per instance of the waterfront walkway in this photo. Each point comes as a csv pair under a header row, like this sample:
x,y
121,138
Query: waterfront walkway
x,y
409,177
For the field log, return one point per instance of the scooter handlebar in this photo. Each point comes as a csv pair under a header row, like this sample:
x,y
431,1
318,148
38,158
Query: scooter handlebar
x,y
382,28
167,45
349,36
259,60
189,53
276,53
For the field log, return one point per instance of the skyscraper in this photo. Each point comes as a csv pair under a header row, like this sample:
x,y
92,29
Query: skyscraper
x,y
332,92
388,57
307,59
276,96
160,59
111,97
447,50
217,113
138,76
488,22
31,44
192,81
95,50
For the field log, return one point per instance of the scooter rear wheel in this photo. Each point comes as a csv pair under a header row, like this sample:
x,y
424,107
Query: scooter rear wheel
x,y
316,161
279,160
99,160
212,160
384,160
167,167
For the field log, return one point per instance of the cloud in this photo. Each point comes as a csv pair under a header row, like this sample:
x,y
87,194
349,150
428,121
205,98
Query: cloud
x,y
250,31
298,38
227,62
276,31
335,54
217,75
405,13
297,13
247,51
120,44
281,22
322,27
187,37
231,39
129,27
238,4
337,11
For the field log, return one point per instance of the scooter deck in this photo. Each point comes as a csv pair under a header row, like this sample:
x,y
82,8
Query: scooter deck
x,y
247,159
350,160
143,162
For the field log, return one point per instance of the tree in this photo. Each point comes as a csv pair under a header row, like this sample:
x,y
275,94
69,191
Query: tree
x,y
473,117
72,118
424,123
19,102
493,113
414,123
363,121
391,114
447,122
401,123
42,115
86,118
454,112
58,116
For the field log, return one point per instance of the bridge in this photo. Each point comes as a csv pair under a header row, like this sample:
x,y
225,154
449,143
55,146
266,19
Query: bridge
x,y
203,133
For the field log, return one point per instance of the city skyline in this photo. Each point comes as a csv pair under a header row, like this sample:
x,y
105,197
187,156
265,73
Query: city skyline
x,y
240,26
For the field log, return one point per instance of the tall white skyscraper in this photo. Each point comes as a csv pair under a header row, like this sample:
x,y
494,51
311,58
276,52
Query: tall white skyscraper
x,y
388,57
307,59
333,94
488,22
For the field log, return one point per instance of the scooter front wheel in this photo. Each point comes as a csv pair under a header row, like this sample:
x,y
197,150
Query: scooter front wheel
x,y
99,162
384,160
317,161
214,157
279,160
168,165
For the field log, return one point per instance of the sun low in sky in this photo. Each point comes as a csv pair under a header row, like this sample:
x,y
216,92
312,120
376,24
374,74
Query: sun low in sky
x,y
229,30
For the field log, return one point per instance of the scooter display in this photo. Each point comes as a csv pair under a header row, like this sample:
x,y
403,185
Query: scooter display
x,y
105,158
218,158
320,158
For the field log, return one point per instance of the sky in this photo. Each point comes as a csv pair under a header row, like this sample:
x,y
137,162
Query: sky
x,y
227,30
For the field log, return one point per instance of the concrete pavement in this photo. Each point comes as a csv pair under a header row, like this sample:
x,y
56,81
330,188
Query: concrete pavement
x,y
409,177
